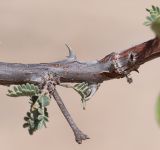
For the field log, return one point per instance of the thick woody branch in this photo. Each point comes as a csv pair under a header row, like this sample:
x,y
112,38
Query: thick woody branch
x,y
114,65
131,59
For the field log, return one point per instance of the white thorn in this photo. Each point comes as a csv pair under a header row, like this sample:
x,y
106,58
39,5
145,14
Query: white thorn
x,y
71,53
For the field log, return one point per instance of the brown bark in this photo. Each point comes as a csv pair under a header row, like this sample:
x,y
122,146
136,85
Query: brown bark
x,y
110,67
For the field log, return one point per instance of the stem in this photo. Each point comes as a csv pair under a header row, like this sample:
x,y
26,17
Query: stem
x,y
79,135
114,65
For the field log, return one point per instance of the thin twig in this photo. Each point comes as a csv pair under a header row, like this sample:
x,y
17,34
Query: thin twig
x,y
79,135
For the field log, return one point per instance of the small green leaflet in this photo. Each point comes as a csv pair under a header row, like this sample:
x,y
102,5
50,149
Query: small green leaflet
x,y
153,20
44,100
154,13
84,91
23,90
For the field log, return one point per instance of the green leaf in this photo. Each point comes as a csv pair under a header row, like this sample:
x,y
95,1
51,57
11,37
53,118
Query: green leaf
x,y
149,18
40,124
37,117
28,114
36,89
45,112
9,91
147,23
24,90
154,13
32,87
31,123
40,111
12,94
28,86
44,100
83,89
156,27
46,118
26,118
15,88
19,88
40,117
25,125
153,7
158,9
31,131
23,86
147,10
153,17
19,93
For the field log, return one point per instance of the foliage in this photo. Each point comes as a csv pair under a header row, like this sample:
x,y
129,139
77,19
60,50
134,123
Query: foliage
x,y
24,90
84,91
37,117
154,13
153,19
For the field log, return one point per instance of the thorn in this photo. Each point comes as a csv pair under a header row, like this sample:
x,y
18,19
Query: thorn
x,y
136,70
71,53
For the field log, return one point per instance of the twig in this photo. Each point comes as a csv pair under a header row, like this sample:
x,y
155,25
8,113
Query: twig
x,y
79,135
114,65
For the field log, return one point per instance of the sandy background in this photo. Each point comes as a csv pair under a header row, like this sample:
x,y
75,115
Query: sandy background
x,y
120,116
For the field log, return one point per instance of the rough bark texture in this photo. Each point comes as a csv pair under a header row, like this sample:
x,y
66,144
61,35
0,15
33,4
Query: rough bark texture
x,y
114,65
71,70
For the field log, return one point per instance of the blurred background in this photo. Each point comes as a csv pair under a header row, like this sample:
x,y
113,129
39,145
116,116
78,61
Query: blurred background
x,y
120,116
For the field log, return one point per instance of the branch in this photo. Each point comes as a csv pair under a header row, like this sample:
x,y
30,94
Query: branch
x,y
131,59
88,74
114,65
79,135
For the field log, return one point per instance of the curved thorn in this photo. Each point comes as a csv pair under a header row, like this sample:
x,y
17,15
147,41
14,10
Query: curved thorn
x,y
71,53
136,70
